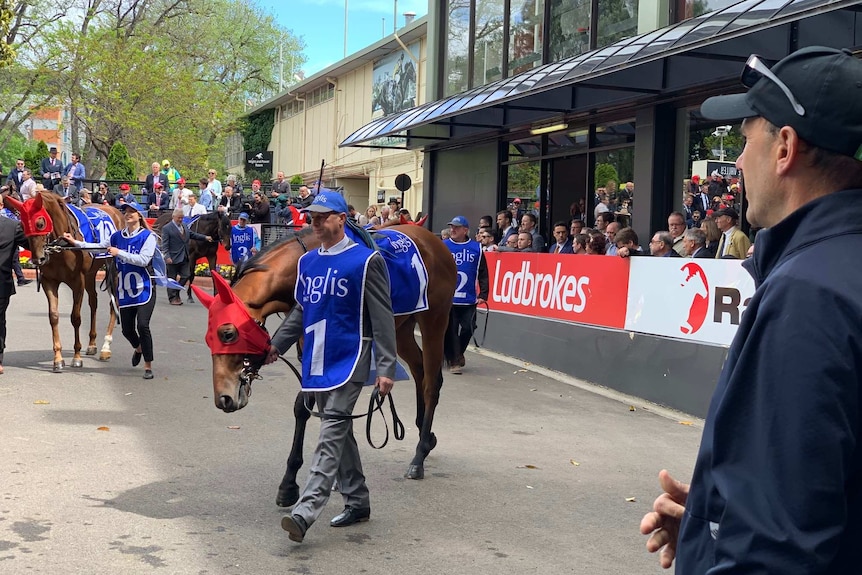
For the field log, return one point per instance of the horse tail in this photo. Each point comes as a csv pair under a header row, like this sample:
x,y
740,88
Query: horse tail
x,y
361,233
110,283
450,342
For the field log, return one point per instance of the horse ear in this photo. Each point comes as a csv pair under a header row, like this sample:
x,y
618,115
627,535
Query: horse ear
x,y
222,287
37,202
205,298
16,204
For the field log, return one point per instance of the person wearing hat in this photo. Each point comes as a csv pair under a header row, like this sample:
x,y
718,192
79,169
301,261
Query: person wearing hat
x,y
777,486
343,303
244,240
472,268
171,174
51,169
155,176
159,200
125,196
133,249
734,243
180,195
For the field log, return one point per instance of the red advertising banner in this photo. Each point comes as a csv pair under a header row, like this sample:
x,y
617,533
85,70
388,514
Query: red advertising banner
x,y
578,288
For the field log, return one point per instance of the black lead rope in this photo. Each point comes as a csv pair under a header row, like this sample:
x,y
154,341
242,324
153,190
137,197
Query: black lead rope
x,y
486,313
374,404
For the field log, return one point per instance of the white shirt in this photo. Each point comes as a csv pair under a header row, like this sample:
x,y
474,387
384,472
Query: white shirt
x,y
197,210
726,245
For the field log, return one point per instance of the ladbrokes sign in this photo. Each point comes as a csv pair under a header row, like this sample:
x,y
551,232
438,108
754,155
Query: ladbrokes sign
x,y
696,300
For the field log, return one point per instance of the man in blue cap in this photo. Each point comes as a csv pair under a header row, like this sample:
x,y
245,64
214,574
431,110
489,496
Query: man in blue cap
x,y
777,487
244,241
470,262
343,303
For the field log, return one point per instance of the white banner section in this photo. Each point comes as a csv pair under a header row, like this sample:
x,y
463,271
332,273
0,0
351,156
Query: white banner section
x,y
699,300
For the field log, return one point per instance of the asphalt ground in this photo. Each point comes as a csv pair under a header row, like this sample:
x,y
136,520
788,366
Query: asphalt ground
x,y
102,472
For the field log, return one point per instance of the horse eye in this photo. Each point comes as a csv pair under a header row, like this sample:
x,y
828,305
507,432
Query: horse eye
x,y
41,224
228,334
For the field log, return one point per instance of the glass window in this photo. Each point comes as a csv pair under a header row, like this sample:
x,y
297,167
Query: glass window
x,y
618,19
488,51
613,134
570,28
613,174
694,8
457,46
523,183
570,141
526,35
527,148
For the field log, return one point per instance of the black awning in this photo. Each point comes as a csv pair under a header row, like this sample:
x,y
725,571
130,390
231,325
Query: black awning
x,y
696,52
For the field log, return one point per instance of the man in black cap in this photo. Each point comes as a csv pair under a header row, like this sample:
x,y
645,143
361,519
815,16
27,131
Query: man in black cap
x,y
777,487
51,169
734,243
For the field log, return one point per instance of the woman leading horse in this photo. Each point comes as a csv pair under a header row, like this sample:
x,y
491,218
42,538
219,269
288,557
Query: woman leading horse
x,y
265,286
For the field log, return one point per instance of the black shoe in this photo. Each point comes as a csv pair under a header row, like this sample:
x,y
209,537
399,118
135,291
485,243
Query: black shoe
x,y
148,374
295,527
24,281
351,515
136,358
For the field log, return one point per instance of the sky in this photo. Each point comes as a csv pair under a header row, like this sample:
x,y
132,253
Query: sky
x,y
320,23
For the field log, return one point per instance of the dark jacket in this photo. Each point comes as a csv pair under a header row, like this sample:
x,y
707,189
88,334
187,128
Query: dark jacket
x,y
176,246
163,203
11,236
567,247
260,212
777,487
152,181
47,169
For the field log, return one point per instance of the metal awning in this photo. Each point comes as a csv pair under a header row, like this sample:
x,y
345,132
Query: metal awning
x,y
696,52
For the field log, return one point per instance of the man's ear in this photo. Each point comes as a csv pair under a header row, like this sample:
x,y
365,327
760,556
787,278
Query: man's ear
x,y
788,148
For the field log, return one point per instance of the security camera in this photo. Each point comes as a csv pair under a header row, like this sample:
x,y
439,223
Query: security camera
x,y
721,131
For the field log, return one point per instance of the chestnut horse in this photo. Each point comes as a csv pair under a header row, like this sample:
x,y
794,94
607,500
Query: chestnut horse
x,y
265,285
45,218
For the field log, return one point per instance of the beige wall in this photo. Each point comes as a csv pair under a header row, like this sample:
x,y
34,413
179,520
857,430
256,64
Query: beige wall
x,y
301,141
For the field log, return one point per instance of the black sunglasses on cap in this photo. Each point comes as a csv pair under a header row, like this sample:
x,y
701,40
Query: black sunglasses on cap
x,y
757,68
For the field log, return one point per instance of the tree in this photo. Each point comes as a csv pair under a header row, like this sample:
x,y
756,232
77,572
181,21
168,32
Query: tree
x,y
605,173
40,153
120,165
7,54
296,180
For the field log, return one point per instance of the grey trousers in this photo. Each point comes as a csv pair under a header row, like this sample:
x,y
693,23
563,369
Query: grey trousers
x,y
336,455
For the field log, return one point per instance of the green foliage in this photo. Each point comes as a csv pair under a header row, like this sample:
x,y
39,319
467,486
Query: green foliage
x,y
41,154
120,164
257,131
265,177
605,173
13,150
524,179
31,160
7,54
296,180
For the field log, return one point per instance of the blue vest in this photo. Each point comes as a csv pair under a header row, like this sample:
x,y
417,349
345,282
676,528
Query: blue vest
x,y
331,289
467,257
135,286
241,242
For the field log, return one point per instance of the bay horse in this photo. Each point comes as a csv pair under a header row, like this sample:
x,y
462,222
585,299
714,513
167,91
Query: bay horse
x,y
265,285
214,224
45,218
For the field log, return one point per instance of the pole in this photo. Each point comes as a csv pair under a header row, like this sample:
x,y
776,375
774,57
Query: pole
x,y
395,17
345,28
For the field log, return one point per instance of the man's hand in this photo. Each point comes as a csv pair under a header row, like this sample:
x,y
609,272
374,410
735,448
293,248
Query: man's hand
x,y
169,260
271,355
384,384
623,252
69,237
662,523
210,239
479,301
113,251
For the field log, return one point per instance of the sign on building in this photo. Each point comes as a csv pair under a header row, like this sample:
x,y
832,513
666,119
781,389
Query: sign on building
x,y
259,161
393,83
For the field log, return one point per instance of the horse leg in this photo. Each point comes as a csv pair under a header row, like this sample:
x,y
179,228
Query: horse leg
x,y
105,353
211,260
426,369
50,287
93,301
77,301
288,491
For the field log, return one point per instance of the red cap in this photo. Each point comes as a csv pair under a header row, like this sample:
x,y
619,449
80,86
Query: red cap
x,y
157,185
256,182
181,181
695,178
516,201
124,187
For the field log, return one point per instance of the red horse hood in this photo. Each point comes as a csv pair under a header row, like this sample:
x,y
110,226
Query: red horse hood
x,y
34,217
225,309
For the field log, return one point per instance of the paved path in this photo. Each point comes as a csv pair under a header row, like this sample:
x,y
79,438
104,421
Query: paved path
x,y
168,487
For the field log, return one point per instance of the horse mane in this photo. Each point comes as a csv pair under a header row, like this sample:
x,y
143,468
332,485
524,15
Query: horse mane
x,y
254,263
51,201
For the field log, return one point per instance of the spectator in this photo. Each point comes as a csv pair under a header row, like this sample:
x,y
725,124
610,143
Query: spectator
x,y
155,176
444,234
230,202
260,209
64,190
370,213
158,199
696,219
717,185
603,220
280,191
233,182
701,195
695,241
661,245
576,227
14,178
215,190
525,242
193,209
175,247
515,210
597,244
180,195
627,243
601,206
305,199
676,227
576,210
27,189
125,196
385,213
610,235
733,243
511,244
52,169
76,172
487,240
205,195
687,209
505,227
244,241
563,244
103,195
528,224
133,249
579,243
351,213
172,176
713,235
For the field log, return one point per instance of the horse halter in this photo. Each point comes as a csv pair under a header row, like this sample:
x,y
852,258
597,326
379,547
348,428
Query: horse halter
x,y
34,217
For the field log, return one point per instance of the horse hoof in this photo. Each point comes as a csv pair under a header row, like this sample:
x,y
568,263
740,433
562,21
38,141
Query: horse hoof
x,y
91,350
105,356
415,472
433,442
77,363
287,497
58,366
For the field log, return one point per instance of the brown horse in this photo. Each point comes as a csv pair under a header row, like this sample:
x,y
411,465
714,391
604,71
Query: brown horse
x,y
265,285
45,219
214,224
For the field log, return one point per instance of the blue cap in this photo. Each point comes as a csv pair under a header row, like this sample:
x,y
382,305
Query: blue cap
x,y
243,216
134,206
328,201
459,221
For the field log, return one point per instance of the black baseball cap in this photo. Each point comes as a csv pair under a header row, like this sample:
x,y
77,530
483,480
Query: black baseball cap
x,y
818,94
729,212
